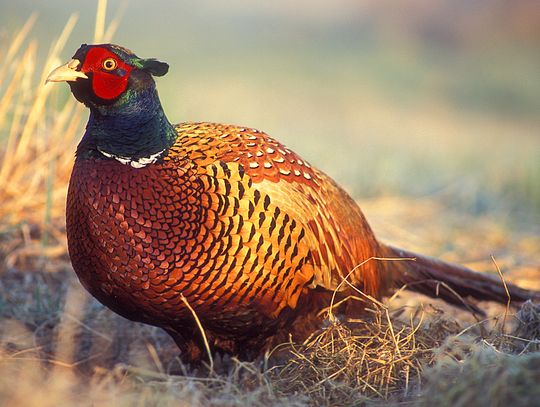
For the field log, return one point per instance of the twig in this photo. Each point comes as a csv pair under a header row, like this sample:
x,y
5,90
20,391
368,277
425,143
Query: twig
x,y
344,280
205,340
509,299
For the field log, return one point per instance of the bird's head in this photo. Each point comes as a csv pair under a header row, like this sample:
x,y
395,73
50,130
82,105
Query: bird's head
x,y
105,74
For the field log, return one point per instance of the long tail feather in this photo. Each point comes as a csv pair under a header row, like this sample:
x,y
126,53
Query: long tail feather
x,y
452,282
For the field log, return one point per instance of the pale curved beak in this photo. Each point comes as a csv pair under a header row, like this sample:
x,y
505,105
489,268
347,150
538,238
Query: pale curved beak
x,y
66,73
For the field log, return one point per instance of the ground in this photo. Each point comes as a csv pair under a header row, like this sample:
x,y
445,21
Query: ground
x,y
59,346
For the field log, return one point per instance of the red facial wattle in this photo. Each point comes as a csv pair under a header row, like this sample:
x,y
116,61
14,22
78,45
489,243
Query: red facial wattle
x,y
106,84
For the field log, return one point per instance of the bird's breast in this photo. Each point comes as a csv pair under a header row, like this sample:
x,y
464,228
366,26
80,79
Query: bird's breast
x,y
143,241
130,233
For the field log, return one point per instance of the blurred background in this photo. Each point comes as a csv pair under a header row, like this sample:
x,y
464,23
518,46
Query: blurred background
x,y
437,99
426,111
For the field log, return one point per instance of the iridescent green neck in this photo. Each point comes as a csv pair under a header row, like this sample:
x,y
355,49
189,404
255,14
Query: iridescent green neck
x,y
133,127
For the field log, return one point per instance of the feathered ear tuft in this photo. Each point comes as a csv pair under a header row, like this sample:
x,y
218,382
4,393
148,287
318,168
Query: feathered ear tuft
x,y
155,67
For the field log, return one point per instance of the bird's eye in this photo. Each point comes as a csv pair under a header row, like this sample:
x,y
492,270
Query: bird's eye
x,y
109,64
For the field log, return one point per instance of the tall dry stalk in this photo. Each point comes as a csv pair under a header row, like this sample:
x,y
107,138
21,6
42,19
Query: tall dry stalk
x,y
39,127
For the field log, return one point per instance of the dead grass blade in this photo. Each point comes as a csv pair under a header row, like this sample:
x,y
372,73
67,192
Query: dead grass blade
x,y
201,329
39,128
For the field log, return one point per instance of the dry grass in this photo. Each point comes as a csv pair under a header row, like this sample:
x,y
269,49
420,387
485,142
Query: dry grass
x,y
39,129
483,377
356,361
37,156
59,347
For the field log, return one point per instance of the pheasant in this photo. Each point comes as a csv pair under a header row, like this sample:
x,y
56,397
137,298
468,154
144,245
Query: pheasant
x,y
218,225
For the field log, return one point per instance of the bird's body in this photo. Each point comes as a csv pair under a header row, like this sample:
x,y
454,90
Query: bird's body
x,y
229,218
224,222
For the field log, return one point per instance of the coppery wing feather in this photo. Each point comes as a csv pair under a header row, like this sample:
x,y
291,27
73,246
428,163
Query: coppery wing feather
x,y
335,232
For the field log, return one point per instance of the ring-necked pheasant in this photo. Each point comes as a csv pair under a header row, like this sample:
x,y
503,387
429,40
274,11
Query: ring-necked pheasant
x,y
222,217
